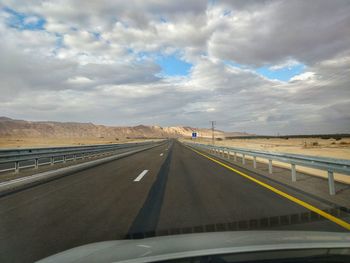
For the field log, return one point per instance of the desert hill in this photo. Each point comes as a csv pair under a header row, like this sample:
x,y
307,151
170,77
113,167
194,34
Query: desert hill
x,y
48,129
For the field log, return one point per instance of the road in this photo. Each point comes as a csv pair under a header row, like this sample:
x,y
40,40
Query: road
x,y
168,189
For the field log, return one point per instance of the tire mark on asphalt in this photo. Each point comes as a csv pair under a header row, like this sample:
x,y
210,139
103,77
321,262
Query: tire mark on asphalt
x,y
147,219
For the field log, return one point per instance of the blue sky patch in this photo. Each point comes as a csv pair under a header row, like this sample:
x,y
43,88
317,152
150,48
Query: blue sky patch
x,y
163,20
97,35
227,13
23,21
142,54
283,74
173,66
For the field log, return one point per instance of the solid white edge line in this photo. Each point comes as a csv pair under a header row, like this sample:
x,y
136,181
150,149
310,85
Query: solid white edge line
x,y
138,178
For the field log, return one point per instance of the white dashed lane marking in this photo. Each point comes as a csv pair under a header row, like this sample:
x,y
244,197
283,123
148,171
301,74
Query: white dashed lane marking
x,y
138,178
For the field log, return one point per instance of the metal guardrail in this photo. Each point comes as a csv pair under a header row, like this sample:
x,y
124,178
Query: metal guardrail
x,y
16,156
330,165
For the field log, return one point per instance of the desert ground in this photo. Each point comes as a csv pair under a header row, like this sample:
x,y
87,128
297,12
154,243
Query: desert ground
x,y
331,148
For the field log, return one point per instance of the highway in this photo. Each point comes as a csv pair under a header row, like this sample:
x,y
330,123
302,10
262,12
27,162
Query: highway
x,y
168,189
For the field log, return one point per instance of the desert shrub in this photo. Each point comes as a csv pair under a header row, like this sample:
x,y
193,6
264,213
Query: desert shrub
x,y
343,143
314,143
338,138
333,143
219,139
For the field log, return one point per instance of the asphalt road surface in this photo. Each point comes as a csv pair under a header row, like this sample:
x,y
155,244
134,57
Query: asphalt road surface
x,y
169,189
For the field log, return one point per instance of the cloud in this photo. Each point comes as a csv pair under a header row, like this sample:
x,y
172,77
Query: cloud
x,y
80,80
99,63
303,76
287,64
31,20
268,32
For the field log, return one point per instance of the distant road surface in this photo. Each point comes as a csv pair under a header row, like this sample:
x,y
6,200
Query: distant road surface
x,y
168,189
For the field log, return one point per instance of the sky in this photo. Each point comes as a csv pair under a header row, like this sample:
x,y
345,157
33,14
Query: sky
x,y
257,66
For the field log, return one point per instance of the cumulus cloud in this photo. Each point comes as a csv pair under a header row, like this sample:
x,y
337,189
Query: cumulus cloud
x,y
304,30
303,76
96,61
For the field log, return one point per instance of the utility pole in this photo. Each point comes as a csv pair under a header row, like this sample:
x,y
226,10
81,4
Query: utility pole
x,y
212,132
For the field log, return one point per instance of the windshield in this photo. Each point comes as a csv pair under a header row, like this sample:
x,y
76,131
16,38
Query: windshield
x,y
128,120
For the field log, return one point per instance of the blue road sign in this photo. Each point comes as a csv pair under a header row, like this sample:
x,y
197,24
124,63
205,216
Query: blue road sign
x,y
194,135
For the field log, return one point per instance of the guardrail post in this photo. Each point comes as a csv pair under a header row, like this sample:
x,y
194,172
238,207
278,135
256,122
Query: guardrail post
x,y
36,164
326,164
331,183
64,158
294,174
17,167
52,160
74,157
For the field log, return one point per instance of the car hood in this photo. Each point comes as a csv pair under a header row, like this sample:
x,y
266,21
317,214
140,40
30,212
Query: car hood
x,y
189,245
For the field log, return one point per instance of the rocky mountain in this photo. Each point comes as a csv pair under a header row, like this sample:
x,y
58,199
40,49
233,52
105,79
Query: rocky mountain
x,y
48,129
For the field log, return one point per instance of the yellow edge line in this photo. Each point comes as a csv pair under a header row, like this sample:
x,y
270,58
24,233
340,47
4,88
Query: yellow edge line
x,y
281,193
